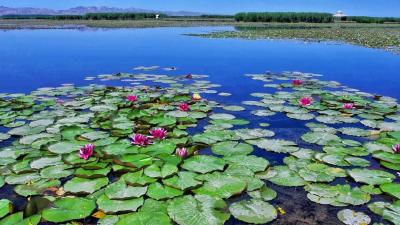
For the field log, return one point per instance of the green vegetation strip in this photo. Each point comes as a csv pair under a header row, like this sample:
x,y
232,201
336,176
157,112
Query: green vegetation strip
x,y
372,36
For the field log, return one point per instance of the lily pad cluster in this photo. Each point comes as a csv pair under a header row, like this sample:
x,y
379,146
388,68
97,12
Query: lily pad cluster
x,y
162,154
119,181
349,131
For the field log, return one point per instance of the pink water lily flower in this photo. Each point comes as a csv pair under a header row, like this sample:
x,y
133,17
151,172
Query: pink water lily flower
x,y
181,152
184,107
348,106
158,133
132,98
86,151
141,140
305,101
297,82
59,101
396,148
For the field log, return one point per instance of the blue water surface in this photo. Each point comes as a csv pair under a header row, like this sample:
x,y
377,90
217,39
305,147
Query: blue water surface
x,y
30,59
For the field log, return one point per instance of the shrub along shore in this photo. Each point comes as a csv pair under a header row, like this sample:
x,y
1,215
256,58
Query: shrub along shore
x,y
280,17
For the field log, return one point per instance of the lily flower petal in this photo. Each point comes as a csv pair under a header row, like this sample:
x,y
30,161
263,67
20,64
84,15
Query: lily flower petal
x,y
305,101
158,133
86,151
181,152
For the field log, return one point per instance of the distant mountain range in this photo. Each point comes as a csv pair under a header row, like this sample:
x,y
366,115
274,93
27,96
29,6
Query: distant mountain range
x,y
80,10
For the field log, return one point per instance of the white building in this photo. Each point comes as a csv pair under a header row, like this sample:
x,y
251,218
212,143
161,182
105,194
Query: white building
x,y
339,14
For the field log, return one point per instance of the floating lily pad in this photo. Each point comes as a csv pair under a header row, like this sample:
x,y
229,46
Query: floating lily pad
x,y
232,148
83,185
256,164
222,116
265,193
275,145
203,164
113,206
119,190
219,185
5,207
372,177
56,172
35,188
183,180
233,108
350,217
198,210
4,136
253,211
320,138
65,209
392,189
18,219
64,147
158,191
286,177
144,218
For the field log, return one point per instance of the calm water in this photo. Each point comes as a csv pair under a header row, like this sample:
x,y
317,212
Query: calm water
x,y
30,59
37,58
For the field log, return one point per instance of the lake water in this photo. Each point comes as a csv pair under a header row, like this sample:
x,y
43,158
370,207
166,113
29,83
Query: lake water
x,y
37,58
30,59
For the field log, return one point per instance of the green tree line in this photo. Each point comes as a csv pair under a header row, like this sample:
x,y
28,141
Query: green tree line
x,y
368,19
90,16
284,17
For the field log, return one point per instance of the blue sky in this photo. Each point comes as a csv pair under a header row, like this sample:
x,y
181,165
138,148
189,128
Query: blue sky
x,y
351,7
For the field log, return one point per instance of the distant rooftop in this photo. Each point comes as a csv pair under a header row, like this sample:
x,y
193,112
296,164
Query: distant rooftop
x,y
339,14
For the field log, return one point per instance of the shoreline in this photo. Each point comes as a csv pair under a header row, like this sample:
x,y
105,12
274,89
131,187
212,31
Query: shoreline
x,y
376,36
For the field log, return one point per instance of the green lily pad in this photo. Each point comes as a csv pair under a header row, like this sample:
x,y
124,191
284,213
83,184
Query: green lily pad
x,y
254,163
65,209
232,148
253,211
137,178
45,161
18,219
220,185
222,116
83,185
35,188
203,164
286,177
247,134
64,147
158,191
119,190
265,193
233,108
275,145
22,178
4,137
372,177
320,138
5,207
392,189
114,206
338,195
198,210
145,218
350,217
56,172
183,181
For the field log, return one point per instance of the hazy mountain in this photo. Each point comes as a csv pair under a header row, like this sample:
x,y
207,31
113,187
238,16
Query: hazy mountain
x,y
82,10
